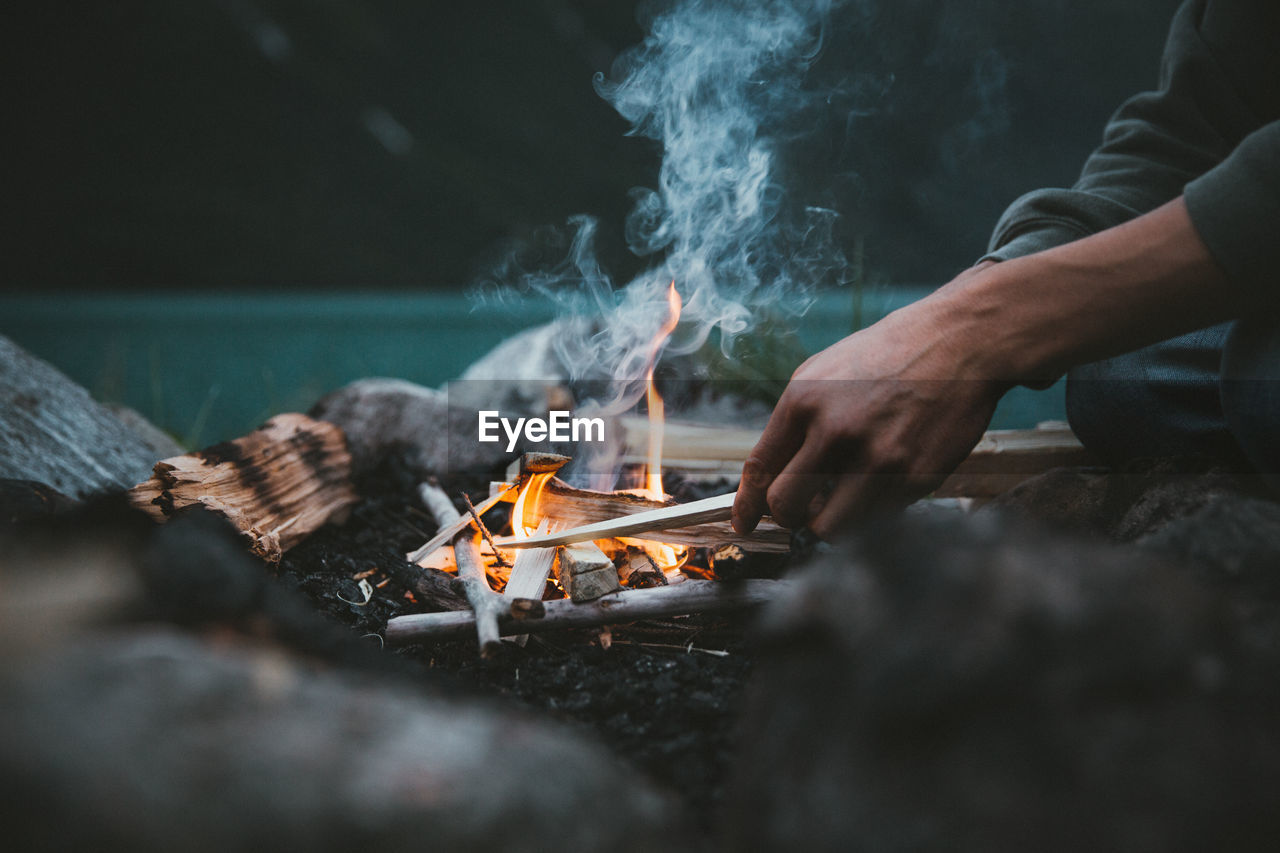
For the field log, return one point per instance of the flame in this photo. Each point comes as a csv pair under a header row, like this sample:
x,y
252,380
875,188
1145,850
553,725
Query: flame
x,y
653,471
664,555
524,514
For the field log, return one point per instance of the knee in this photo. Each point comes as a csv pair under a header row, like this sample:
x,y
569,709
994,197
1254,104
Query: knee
x,y
1104,409
1160,400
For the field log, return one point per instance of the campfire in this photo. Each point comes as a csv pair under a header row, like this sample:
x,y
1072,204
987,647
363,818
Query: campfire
x,y
574,557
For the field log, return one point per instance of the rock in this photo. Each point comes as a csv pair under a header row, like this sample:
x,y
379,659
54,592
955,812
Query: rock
x,y
1230,538
437,435
23,500
150,740
1081,500
1123,505
984,686
160,442
53,432
524,374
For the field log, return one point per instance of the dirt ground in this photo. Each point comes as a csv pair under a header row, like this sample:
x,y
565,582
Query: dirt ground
x,y
665,695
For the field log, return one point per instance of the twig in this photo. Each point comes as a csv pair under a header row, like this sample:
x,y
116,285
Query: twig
x,y
628,606
484,531
431,494
675,647
486,605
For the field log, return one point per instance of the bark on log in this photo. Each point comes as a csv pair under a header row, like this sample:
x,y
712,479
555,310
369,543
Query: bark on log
x,y
432,588
277,484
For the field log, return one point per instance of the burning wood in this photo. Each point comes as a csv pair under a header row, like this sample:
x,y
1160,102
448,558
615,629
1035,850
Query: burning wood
x,y
666,519
277,484
574,507
453,528
583,569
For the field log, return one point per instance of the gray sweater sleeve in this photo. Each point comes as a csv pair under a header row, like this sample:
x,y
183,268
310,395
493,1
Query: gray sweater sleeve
x,y
1209,133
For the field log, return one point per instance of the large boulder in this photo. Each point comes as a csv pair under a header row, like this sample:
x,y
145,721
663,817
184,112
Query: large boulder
x,y
977,685
1222,522
53,432
151,740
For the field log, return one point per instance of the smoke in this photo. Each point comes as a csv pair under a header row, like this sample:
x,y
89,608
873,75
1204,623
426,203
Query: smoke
x,y
722,87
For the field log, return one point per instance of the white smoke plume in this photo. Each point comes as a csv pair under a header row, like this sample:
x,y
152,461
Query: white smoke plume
x,y
719,83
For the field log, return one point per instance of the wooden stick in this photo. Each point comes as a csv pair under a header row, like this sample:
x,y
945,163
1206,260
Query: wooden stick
x,y
627,606
571,507
434,495
486,605
488,608
718,508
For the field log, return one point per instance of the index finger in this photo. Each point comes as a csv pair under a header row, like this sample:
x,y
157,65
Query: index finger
x,y
781,438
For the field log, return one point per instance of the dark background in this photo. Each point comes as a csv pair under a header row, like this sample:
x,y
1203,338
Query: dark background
x,y
220,144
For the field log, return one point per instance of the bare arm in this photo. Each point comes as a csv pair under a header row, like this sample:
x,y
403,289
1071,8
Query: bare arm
x,y
885,414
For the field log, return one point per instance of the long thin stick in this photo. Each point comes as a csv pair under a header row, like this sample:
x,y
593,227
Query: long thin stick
x,y
573,507
486,605
684,515
626,606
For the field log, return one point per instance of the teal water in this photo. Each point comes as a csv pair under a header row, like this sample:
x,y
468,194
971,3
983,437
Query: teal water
x,y
211,367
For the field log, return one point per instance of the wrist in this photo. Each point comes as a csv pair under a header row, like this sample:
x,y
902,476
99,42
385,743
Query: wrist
x,y
977,321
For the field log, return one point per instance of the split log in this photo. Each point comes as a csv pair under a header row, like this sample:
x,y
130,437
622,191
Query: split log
x,y
572,507
585,572
277,484
531,569
661,524
619,607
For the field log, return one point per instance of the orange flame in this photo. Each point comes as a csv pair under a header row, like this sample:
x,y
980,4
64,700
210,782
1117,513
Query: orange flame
x,y
525,515
525,512
653,472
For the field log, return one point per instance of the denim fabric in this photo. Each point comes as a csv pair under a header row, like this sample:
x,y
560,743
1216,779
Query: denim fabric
x,y
1161,400
1251,391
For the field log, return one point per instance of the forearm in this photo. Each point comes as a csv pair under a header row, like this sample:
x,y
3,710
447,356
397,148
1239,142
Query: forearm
x,y
1031,318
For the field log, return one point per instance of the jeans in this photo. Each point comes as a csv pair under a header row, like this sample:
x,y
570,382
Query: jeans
x,y
1213,392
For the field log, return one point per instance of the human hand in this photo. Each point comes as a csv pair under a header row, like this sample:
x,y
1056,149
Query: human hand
x,y
880,417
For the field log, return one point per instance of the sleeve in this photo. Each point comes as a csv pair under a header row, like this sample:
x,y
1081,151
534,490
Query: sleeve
x,y
1198,134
